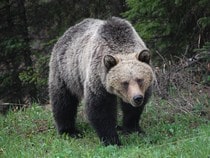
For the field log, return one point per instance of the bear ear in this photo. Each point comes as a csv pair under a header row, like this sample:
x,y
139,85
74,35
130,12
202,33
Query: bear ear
x,y
110,61
144,56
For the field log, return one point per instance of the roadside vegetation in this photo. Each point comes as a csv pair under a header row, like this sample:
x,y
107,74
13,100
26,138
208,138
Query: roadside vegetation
x,y
30,132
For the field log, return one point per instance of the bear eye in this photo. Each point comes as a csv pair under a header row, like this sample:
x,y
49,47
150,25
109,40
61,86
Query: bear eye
x,y
125,84
140,81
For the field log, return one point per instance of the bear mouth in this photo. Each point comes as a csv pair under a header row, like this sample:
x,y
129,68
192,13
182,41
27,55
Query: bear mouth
x,y
136,104
131,101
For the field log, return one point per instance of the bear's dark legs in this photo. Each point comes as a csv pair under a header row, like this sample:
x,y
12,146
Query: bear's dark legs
x,y
102,113
64,106
131,117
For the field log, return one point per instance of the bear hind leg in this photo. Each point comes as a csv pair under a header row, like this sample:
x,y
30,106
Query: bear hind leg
x,y
64,106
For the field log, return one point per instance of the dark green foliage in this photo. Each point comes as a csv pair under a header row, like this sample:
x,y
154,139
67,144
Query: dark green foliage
x,y
171,26
28,30
10,48
204,55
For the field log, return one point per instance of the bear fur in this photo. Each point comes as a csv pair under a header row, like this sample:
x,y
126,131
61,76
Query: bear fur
x,y
99,61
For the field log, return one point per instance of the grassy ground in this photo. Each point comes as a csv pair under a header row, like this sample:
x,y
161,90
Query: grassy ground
x,y
31,133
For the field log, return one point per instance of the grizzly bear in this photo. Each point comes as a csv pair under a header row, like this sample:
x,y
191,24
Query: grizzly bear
x,y
99,61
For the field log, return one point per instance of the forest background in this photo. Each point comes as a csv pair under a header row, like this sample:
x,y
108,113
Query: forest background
x,y
176,31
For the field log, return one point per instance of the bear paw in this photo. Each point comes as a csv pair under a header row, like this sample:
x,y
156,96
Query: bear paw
x,y
71,133
111,141
126,130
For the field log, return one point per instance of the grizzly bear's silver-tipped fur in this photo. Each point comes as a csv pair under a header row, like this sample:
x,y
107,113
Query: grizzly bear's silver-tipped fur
x,y
79,68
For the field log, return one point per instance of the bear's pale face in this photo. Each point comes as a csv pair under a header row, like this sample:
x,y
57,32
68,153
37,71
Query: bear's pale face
x,y
129,79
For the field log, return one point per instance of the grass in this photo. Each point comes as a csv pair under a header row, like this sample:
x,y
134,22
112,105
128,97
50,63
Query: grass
x,y
31,133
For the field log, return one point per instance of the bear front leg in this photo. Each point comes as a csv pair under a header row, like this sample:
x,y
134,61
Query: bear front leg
x,y
131,118
64,107
102,113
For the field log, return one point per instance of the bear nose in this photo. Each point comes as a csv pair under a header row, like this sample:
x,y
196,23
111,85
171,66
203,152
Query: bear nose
x,y
138,99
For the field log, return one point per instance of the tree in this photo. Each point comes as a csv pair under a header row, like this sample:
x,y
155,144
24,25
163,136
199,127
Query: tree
x,y
171,27
28,30
15,50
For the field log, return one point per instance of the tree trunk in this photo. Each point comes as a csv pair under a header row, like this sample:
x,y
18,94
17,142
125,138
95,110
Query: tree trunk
x,y
30,89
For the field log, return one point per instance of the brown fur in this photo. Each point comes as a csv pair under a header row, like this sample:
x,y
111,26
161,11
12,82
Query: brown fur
x,y
98,61
129,77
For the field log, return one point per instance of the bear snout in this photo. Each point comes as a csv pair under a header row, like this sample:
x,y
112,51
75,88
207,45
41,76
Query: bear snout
x,y
138,99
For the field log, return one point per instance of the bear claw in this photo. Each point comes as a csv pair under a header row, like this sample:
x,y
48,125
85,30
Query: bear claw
x,y
72,133
126,130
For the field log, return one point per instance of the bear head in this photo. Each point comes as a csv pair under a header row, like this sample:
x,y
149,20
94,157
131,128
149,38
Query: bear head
x,y
129,76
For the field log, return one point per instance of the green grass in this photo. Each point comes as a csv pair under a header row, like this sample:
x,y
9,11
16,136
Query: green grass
x,y
31,133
